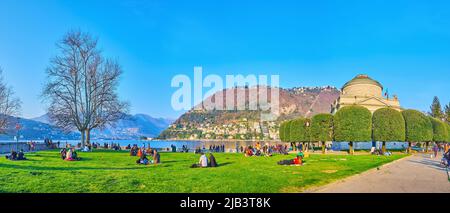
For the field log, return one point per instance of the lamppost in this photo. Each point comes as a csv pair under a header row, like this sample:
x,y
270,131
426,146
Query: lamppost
x,y
18,135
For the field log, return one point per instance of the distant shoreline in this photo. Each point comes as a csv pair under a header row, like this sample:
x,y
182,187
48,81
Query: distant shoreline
x,y
215,140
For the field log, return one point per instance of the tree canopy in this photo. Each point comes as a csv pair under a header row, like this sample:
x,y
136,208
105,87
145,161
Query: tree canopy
x,y
353,124
418,126
388,125
299,130
322,127
440,133
448,132
436,109
284,131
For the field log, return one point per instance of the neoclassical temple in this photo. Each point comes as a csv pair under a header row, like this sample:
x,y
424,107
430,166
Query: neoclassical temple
x,y
364,91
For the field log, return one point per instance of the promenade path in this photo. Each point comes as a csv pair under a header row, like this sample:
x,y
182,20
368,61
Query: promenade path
x,y
413,174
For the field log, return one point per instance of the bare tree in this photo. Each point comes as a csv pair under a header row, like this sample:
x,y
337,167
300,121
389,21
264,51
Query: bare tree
x,y
81,86
9,105
107,106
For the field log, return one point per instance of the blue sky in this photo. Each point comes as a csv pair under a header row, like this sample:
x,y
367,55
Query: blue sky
x,y
403,44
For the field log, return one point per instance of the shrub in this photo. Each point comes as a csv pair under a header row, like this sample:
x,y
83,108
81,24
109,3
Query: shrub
x,y
299,130
322,127
418,126
440,133
352,124
285,131
388,125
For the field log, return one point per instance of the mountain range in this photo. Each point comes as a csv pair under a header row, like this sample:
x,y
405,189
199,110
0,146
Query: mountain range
x,y
199,123
130,127
194,124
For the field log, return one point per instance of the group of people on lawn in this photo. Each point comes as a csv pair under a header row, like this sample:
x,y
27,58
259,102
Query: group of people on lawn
x,y
69,154
265,150
205,162
144,155
16,155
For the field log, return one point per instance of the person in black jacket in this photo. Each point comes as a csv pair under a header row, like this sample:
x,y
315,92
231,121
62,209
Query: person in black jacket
x,y
212,161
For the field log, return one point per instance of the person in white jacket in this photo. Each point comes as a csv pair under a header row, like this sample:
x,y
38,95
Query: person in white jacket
x,y
203,162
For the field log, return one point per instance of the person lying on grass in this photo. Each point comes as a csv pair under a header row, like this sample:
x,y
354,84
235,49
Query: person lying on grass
x,y
297,161
12,156
143,160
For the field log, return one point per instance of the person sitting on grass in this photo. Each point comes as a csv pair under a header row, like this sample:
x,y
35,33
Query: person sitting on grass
x,y
203,162
75,154
69,155
212,161
149,151
143,160
21,155
269,152
249,152
140,153
12,156
63,153
134,150
156,157
72,155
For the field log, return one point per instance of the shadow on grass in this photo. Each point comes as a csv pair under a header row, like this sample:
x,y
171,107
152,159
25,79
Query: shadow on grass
x,y
28,167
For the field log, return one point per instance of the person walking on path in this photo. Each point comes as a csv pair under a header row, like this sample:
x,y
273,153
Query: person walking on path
x,y
435,150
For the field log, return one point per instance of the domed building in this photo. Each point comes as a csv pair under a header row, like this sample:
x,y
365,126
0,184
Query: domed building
x,y
364,91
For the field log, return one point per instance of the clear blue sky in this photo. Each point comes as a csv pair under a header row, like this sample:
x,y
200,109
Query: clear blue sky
x,y
403,44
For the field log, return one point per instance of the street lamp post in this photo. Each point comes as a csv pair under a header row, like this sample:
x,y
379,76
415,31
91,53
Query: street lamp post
x,y
17,135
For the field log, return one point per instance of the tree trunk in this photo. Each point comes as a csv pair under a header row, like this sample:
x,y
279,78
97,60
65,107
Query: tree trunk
x,y
82,138
88,136
324,147
350,148
426,147
383,147
409,147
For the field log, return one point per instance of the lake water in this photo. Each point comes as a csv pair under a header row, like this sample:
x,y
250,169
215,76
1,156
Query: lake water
x,y
229,146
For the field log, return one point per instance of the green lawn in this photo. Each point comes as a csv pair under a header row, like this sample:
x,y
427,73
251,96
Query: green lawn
x,y
109,171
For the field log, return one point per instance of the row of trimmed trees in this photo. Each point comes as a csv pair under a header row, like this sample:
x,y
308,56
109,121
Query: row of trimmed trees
x,y
357,124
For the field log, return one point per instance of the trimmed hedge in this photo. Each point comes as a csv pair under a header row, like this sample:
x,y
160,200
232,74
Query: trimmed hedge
x,y
418,126
388,125
440,133
282,131
299,131
322,127
285,131
353,124
448,132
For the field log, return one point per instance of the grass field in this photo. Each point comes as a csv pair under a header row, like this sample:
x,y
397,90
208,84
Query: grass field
x,y
110,171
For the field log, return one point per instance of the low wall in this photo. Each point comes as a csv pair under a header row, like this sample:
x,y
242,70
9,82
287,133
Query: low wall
x,y
7,147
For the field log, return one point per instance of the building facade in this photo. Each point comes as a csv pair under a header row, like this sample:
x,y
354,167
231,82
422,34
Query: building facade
x,y
364,91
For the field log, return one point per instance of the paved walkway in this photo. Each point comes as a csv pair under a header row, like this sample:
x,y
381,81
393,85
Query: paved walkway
x,y
417,173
